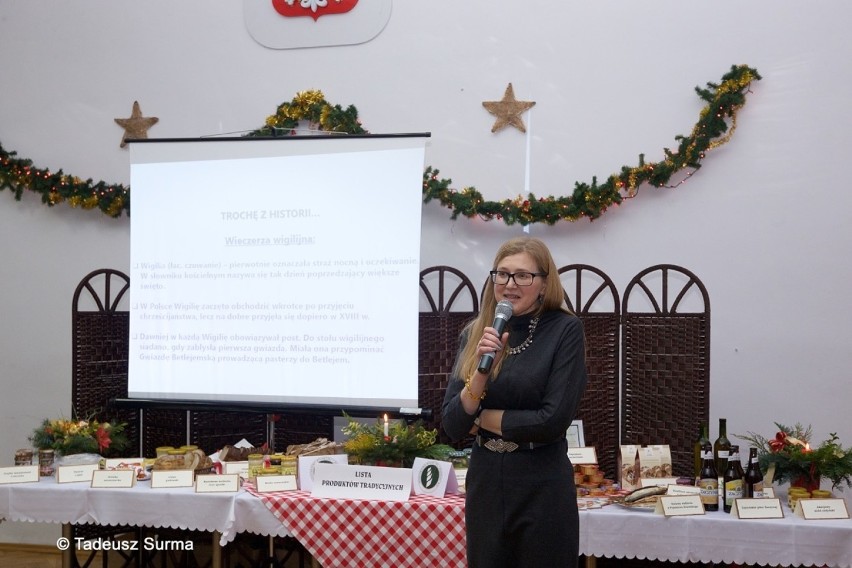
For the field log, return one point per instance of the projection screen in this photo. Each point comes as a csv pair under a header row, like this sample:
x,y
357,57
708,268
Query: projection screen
x,y
276,271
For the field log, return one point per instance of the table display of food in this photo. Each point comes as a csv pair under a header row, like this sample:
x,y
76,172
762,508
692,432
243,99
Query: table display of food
x,y
698,507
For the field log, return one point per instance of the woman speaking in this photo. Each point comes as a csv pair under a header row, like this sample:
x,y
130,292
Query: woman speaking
x,y
516,385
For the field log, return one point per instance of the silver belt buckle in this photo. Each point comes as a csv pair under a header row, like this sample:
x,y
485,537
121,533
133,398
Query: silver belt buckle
x,y
499,445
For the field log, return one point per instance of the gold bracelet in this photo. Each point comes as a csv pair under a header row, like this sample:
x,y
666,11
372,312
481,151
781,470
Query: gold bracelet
x,y
470,392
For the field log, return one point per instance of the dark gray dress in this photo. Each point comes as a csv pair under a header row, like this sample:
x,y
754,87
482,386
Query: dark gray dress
x,y
521,506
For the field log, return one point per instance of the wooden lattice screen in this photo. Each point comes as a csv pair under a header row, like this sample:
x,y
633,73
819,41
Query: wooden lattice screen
x,y
100,326
591,294
448,302
666,361
664,326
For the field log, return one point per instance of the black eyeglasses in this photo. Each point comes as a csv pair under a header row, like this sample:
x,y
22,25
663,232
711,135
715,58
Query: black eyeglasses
x,y
521,278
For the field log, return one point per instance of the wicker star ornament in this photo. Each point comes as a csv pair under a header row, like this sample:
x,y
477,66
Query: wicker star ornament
x,y
508,111
135,127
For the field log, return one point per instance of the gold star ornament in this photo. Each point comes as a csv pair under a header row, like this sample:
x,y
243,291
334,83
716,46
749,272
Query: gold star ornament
x,y
135,127
508,111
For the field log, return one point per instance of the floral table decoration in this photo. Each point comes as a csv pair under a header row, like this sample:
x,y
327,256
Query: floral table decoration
x,y
88,436
790,458
394,445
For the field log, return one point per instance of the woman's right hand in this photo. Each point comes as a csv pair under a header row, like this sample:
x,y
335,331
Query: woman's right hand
x,y
491,342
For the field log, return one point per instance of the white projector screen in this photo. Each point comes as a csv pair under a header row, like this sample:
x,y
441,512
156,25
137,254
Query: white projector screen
x,y
276,271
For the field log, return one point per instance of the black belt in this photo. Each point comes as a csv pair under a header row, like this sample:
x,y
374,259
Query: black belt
x,y
500,445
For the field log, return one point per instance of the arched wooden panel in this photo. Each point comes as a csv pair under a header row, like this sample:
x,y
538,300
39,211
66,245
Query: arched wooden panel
x,y
448,303
666,361
100,328
100,332
592,295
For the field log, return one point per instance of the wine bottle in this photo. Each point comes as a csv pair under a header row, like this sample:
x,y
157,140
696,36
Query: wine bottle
x,y
722,447
703,436
708,479
753,482
739,465
733,479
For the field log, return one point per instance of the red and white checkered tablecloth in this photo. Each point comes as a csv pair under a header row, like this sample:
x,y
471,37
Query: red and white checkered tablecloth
x,y
422,532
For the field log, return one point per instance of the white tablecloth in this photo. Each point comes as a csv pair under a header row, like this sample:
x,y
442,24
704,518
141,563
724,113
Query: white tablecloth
x,y
716,537
611,532
179,508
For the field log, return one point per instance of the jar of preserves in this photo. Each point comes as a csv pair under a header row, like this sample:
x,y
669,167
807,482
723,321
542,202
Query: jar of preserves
x,y
459,459
255,464
288,465
163,450
46,459
24,457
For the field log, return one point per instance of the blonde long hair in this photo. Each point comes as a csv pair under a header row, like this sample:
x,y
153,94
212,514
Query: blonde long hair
x,y
552,298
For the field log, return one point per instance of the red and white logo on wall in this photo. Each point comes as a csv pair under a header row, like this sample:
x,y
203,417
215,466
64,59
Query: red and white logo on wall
x,y
312,8
289,24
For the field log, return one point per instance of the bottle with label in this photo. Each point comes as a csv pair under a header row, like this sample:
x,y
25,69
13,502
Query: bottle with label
x,y
722,447
733,479
708,479
703,436
753,482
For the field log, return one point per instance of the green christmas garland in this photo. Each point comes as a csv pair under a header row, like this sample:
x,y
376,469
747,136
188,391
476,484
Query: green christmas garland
x,y
587,200
18,174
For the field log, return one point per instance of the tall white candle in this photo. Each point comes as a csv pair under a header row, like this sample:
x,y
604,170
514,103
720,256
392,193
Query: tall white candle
x,y
527,161
386,425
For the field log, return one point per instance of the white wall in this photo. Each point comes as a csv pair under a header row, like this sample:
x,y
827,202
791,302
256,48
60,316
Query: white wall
x,y
764,223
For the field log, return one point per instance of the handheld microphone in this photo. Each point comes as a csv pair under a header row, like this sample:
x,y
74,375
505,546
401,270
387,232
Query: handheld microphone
x,y
501,318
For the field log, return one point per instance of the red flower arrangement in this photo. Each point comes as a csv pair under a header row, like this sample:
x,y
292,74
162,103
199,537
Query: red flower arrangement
x,y
790,457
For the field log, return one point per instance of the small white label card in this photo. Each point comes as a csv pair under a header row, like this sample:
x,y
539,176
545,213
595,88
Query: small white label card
x,y
683,490
308,464
583,456
763,508
336,481
658,481
766,492
240,468
433,477
75,473
19,474
112,478
212,483
813,509
272,483
679,505
167,478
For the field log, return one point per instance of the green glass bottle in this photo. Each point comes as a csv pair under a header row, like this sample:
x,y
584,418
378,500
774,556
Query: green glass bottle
x,y
722,447
703,437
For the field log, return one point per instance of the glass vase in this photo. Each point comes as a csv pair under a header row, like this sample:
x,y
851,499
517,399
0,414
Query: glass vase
x,y
807,482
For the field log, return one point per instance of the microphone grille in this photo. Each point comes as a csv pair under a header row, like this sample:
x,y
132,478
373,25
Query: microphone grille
x,y
504,309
